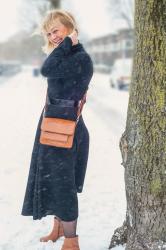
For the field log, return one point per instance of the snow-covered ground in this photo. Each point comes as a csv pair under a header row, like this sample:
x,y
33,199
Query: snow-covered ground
x,y
102,203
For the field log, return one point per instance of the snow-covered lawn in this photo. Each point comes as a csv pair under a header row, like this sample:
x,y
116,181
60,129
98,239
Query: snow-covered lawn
x,y
102,203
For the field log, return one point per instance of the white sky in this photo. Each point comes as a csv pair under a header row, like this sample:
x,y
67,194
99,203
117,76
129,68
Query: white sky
x,y
91,14
8,18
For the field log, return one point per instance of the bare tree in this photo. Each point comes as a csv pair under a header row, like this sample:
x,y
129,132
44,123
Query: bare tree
x,y
28,48
122,9
143,144
33,10
55,3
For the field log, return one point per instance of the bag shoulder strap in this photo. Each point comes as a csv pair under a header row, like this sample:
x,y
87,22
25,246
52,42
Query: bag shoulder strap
x,y
82,102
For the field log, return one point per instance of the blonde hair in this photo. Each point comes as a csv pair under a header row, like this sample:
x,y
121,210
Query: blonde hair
x,y
65,17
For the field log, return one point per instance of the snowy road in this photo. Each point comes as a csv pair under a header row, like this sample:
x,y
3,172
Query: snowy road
x,y
102,203
108,103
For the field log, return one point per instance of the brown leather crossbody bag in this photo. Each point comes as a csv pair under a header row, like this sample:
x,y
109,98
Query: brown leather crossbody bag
x,y
60,132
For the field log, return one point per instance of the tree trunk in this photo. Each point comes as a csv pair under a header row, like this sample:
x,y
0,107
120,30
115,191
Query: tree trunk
x,y
143,144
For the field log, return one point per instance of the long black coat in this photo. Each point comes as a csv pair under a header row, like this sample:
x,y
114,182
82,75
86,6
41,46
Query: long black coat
x,y
57,174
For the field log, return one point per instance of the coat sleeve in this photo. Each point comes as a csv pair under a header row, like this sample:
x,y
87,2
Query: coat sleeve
x,y
59,65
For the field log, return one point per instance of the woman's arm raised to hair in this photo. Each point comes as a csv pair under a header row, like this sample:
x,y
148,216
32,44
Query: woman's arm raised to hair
x,y
55,65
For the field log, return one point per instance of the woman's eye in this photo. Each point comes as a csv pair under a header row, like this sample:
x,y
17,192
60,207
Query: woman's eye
x,y
54,31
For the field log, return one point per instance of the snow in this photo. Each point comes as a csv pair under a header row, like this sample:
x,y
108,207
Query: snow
x,y
102,203
119,248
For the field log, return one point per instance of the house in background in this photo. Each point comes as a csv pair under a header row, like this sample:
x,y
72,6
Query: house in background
x,y
106,49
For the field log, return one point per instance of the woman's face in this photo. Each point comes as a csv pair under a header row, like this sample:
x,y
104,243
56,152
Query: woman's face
x,y
57,33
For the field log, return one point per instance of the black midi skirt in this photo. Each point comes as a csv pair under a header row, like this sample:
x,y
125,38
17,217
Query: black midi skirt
x,y
56,175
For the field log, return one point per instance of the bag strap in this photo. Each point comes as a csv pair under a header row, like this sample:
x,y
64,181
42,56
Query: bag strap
x,y
45,103
82,102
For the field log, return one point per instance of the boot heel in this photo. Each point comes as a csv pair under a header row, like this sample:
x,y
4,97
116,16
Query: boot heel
x,y
56,232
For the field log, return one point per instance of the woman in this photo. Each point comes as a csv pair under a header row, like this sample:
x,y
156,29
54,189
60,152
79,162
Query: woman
x,y
56,174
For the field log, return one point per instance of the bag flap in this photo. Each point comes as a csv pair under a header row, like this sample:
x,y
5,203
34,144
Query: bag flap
x,y
54,136
58,125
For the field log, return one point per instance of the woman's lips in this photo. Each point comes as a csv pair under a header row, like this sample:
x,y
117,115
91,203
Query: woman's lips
x,y
58,41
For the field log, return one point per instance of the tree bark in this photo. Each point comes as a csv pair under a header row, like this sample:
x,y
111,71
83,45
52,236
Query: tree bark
x,y
143,144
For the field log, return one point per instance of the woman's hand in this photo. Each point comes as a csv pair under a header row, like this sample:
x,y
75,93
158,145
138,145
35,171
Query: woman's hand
x,y
74,37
